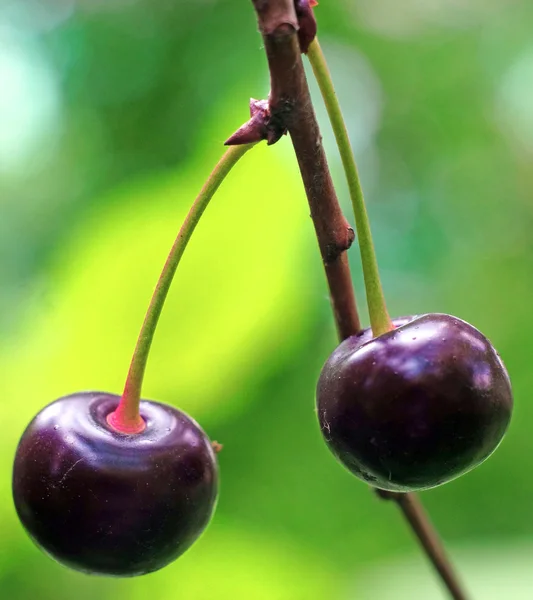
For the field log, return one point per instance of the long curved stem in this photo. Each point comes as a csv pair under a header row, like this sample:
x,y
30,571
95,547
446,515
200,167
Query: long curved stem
x,y
409,504
126,418
379,317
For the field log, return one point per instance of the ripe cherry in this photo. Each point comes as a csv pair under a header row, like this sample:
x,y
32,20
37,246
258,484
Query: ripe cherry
x,y
417,406
111,503
116,485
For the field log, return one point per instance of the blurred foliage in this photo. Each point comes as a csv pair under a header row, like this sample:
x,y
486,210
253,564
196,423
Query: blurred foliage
x,y
111,115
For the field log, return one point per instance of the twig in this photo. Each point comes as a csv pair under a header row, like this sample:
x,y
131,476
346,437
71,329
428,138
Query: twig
x,y
290,104
429,539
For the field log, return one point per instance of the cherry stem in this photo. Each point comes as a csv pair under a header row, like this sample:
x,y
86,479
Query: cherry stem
x,y
409,504
126,418
379,317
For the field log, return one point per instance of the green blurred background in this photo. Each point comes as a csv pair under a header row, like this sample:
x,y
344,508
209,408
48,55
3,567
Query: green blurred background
x,y
112,113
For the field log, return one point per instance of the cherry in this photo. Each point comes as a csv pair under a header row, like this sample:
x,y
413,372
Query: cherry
x,y
116,485
416,406
110,503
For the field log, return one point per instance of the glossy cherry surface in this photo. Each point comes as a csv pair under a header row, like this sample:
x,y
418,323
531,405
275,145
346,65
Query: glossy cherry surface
x,y
417,406
108,503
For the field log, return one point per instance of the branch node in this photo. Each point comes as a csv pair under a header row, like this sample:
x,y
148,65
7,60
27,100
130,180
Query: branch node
x,y
341,242
263,125
273,16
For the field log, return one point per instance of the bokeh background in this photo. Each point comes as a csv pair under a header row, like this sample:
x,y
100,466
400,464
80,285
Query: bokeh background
x,y
112,113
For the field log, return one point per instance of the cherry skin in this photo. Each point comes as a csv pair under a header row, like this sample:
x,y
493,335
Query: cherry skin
x,y
415,407
109,503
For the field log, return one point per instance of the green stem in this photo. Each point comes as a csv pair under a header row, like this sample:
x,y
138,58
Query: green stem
x,y
126,418
379,317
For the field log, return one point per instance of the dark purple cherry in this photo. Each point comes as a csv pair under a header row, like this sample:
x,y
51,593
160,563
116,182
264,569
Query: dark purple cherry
x,y
417,406
110,503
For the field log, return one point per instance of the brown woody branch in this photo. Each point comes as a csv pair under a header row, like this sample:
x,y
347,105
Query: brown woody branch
x,y
291,108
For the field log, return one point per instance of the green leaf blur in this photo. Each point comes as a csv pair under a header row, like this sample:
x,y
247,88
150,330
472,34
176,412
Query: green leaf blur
x,y
111,116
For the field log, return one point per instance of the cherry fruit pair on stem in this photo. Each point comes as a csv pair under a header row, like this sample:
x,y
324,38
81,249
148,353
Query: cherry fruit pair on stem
x,y
118,486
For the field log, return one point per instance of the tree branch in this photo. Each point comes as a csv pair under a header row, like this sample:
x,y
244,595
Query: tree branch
x,y
273,14
291,108
428,538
